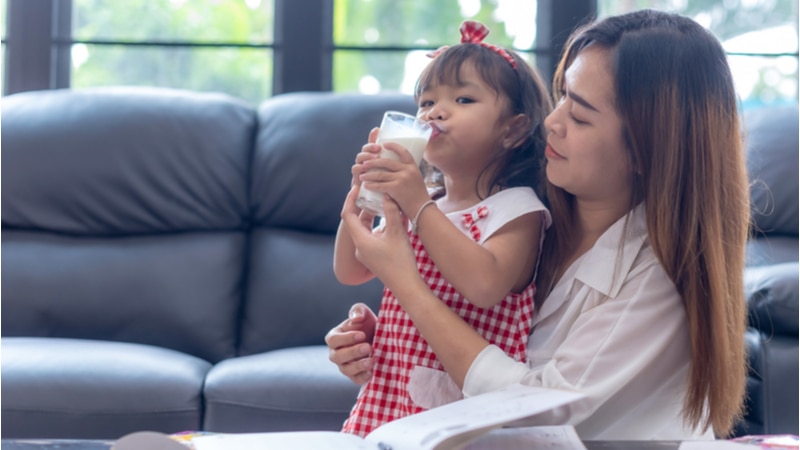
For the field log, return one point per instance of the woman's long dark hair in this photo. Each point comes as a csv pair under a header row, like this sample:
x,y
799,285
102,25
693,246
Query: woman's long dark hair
x,y
674,92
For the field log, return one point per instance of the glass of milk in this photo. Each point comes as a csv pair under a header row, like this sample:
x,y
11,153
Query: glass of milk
x,y
403,129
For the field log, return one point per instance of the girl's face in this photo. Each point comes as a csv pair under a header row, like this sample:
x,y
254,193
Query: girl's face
x,y
586,154
470,122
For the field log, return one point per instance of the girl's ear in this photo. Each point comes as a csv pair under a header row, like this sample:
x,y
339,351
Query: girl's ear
x,y
517,128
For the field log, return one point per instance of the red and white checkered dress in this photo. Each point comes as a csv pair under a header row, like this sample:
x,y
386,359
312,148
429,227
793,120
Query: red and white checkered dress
x,y
398,347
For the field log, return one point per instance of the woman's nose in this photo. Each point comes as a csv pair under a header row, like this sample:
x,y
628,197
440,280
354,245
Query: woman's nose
x,y
554,123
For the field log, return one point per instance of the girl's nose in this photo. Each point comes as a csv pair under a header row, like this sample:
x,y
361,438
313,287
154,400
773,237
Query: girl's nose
x,y
436,112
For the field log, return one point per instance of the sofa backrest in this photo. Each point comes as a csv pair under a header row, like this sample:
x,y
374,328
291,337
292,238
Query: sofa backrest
x,y
305,147
124,216
771,137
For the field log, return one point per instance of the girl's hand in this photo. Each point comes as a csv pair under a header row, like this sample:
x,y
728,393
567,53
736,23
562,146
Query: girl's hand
x,y
387,252
401,180
370,150
350,344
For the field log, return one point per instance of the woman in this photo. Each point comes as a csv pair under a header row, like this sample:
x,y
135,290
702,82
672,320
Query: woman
x,y
640,298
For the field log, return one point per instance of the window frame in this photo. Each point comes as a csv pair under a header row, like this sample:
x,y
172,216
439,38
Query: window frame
x,y
39,41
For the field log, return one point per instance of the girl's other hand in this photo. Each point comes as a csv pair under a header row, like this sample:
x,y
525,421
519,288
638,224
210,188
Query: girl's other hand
x,y
370,150
385,252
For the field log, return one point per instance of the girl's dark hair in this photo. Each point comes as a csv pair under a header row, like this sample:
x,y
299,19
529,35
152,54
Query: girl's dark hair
x,y
523,163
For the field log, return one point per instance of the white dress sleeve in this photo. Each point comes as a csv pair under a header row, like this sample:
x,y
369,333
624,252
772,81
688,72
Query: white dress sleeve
x,y
503,207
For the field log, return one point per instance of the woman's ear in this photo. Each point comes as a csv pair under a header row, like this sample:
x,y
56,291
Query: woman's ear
x,y
517,128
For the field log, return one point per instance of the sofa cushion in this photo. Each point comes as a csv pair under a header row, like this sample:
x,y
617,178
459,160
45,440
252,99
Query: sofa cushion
x,y
122,161
69,388
284,390
772,161
125,215
772,298
305,148
176,291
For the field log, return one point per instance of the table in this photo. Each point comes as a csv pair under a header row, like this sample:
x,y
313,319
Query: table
x,y
72,444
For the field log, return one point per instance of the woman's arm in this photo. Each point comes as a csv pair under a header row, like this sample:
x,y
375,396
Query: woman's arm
x,y
628,351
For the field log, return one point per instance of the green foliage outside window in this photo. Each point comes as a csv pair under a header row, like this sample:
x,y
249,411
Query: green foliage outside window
x,y
245,72
391,23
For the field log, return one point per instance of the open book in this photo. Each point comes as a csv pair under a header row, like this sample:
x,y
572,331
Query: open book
x,y
447,427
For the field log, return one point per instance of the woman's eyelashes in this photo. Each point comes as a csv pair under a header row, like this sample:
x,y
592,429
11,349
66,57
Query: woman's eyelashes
x,y
576,120
563,97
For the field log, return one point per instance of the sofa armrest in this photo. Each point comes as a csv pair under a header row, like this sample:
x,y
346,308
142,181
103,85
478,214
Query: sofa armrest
x,y
772,298
772,345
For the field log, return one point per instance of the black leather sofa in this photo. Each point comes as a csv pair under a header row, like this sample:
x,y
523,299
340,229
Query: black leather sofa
x,y
771,279
166,262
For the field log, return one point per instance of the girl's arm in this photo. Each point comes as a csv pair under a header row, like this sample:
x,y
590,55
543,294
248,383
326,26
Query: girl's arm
x,y
346,267
390,257
486,273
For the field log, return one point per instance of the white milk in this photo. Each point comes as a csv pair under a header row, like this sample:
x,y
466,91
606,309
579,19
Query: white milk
x,y
373,201
414,144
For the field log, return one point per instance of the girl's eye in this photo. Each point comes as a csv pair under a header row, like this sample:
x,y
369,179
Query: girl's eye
x,y
425,103
465,100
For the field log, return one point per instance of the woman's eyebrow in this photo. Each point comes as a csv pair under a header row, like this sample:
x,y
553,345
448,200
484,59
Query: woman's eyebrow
x,y
582,101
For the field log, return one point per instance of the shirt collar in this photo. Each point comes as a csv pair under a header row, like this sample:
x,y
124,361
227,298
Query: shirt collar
x,y
614,253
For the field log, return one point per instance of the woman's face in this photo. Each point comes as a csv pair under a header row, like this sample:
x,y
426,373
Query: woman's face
x,y
586,154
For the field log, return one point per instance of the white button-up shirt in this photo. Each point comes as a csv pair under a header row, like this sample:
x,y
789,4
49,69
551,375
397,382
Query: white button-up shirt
x,y
614,328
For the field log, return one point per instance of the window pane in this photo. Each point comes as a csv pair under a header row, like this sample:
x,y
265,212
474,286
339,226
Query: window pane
x,y
245,73
415,23
762,81
370,72
753,27
426,23
241,21
376,71
3,6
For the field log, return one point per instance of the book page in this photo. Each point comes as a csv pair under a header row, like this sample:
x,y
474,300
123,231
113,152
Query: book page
x,y
455,424
539,438
289,440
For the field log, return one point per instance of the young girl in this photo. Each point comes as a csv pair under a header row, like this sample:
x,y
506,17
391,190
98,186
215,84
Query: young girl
x,y
477,243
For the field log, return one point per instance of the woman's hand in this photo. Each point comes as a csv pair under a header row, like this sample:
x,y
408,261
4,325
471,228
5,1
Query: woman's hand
x,y
350,344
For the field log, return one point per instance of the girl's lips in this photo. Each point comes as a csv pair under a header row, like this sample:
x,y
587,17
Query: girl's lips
x,y
436,130
552,154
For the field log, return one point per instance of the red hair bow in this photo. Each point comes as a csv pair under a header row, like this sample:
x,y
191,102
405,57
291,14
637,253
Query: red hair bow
x,y
473,32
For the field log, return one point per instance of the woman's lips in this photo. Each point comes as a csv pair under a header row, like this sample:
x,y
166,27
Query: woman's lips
x,y
552,154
